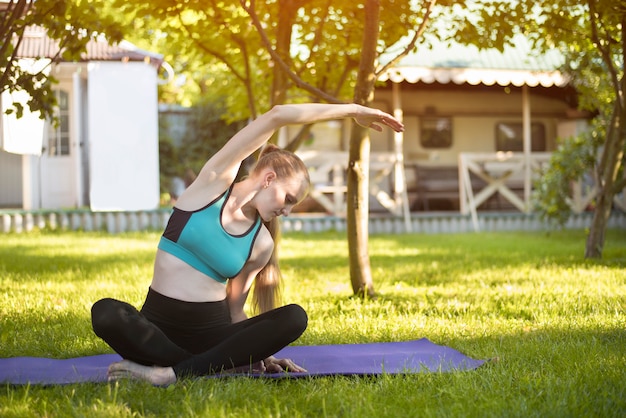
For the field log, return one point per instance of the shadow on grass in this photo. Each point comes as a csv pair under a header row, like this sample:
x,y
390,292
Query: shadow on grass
x,y
434,260
57,334
31,261
437,269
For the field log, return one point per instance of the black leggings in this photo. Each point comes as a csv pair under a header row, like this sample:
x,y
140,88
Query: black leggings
x,y
193,338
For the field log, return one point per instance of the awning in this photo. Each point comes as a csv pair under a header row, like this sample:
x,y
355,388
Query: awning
x,y
36,44
448,62
475,76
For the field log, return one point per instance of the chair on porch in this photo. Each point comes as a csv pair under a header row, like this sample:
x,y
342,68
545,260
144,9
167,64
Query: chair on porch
x,y
436,186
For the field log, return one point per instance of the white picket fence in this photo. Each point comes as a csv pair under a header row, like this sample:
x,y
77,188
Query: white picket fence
x,y
431,223
113,222
441,223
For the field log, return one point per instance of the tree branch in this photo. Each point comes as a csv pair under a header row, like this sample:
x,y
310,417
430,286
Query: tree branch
x,y
11,14
245,79
8,32
619,185
430,4
268,45
317,34
605,51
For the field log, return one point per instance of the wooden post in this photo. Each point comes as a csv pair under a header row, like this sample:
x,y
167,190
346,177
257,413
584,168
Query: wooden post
x,y
527,146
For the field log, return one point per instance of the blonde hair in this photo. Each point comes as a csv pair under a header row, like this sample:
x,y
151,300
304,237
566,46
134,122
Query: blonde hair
x,y
267,285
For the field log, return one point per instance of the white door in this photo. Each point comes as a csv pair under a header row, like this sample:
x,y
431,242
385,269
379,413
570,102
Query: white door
x,y
57,160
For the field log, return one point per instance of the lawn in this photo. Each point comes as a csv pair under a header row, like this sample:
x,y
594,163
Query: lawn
x,y
556,324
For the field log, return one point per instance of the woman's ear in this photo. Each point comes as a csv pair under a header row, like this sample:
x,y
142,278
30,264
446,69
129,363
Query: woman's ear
x,y
268,178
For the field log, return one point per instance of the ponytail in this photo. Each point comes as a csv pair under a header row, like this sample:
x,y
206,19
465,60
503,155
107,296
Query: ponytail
x,y
267,286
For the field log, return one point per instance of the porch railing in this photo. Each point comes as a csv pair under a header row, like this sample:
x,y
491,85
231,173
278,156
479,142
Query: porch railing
x,y
327,170
512,175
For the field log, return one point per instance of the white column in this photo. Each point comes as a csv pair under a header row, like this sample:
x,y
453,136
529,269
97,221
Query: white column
x,y
400,193
527,146
77,138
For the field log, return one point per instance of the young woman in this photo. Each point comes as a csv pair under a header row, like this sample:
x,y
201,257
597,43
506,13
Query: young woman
x,y
217,242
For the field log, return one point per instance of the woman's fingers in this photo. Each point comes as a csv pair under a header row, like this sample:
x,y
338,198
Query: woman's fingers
x,y
280,365
372,118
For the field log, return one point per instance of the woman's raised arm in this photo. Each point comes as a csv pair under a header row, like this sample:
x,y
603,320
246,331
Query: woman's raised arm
x,y
224,165
227,160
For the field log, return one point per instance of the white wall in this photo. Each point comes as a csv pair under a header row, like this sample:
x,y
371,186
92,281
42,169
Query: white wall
x,y
10,180
474,116
23,135
123,136
21,143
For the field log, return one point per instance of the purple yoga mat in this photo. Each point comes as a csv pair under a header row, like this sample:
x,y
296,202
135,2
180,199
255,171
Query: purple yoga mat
x,y
418,356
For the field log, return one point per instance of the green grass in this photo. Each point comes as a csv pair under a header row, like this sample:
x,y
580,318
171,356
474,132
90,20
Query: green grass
x,y
555,322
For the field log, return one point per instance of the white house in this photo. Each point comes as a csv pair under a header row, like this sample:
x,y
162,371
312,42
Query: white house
x,y
103,154
478,126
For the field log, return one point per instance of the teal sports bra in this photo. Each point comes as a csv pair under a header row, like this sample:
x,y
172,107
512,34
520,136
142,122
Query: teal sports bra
x,y
199,239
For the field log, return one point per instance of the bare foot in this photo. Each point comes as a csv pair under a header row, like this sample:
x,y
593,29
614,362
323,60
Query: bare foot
x,y
126,369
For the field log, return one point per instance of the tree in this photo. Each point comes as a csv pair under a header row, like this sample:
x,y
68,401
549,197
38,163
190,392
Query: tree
x,y
71,23
358,165
212,47
314,51
592,35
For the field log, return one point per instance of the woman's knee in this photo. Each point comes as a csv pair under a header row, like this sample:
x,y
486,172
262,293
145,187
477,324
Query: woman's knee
x,y
297,317
106,315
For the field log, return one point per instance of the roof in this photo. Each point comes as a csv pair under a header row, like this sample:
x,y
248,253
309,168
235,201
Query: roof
x,y
36,44
516,65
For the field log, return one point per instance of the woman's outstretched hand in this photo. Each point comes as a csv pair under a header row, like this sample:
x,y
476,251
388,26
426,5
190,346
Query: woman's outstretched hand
x,y
277,365
373,118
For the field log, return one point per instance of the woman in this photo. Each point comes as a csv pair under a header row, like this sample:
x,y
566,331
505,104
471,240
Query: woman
x,y
216,244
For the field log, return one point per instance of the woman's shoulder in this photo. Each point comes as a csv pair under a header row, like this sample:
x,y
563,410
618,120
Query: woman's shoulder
x,y
199,194
264,238
263,244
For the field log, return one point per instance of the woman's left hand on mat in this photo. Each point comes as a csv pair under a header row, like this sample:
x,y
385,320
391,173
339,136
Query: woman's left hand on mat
x,y
276,365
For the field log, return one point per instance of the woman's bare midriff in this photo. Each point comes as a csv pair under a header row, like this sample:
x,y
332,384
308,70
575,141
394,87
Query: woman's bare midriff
x,y
176,279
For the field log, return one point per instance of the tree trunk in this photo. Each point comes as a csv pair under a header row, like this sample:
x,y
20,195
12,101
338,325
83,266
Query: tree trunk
x,y
610,163
595,239
284,28
358,164
613,154
357,213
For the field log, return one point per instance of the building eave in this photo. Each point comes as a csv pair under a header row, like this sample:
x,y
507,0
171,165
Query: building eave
x,y
475,76
36,44
516,64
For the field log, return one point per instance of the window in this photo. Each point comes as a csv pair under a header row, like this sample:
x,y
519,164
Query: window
x,y
510,137
59,130
436,133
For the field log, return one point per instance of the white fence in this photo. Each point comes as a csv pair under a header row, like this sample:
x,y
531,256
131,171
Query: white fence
x,y
116,222
113,222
